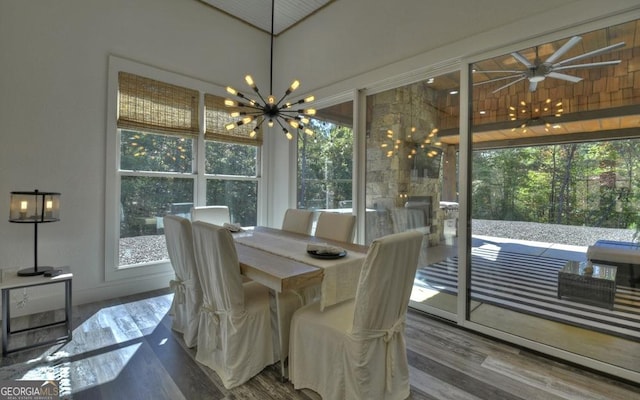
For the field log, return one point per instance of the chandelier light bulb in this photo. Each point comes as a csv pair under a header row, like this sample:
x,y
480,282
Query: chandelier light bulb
x,y
250,82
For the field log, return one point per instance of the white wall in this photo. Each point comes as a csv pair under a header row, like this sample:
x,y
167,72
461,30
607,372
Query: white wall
x,y
359,43
53,80
53,74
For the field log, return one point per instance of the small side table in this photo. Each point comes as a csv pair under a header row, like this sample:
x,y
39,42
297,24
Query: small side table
x,y
10,282
598,288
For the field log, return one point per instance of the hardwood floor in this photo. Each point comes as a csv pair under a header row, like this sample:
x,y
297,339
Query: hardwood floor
x,y
124,349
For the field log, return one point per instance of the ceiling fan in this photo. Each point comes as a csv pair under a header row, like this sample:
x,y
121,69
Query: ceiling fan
x,y
538,70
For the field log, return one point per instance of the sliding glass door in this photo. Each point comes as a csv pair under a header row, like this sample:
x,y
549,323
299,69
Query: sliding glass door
x,y
555,173
411,159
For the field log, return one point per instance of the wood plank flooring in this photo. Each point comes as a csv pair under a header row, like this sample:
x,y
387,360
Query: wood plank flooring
x,y
124,349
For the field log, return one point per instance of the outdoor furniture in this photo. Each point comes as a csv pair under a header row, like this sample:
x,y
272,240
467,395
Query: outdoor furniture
x,y
624,255
597,288
217,215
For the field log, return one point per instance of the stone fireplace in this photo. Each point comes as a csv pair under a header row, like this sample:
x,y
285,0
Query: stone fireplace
x,y
403,182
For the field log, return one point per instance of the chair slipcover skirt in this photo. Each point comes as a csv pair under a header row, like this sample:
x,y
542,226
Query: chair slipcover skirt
x,y
356,350
235,336
187,292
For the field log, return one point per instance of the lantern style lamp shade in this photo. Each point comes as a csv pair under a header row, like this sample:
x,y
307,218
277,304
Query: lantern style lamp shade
x,y
34,208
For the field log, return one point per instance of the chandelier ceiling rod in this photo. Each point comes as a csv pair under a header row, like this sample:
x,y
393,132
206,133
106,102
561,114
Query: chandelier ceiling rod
x,y
273,12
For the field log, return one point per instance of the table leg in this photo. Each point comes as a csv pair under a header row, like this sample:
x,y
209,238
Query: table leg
x,y
283,357
67,308
5,321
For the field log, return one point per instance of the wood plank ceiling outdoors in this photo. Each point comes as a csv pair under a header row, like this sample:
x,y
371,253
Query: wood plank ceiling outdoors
x,y
257,13
607,99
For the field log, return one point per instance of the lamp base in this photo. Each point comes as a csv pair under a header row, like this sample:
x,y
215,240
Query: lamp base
x,y
35,271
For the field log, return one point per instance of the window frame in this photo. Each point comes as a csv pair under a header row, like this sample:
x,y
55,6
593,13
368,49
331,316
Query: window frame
x,y
161,268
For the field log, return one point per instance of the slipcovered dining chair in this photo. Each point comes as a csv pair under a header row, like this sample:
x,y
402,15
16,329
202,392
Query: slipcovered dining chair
x,y
217,215
235,336
187,293
356,349
336,226
297,221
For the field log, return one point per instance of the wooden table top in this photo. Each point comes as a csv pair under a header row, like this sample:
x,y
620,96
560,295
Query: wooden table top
x,y
281,273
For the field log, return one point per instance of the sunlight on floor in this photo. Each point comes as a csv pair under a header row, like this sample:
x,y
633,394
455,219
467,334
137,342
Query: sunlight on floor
x,y
101,348
420,294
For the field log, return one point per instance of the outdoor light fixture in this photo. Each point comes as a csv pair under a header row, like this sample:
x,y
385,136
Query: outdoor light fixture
x,y
287,115
535,115
34,208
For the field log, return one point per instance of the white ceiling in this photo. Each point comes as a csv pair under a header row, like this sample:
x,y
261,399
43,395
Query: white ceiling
x,y
257,13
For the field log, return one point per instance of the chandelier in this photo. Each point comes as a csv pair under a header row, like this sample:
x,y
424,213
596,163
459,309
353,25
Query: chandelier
x,y
429,144
286,114
535,115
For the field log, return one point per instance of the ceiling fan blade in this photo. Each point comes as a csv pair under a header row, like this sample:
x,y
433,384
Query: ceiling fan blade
x,y
587,65
590,54
509,84
501,71
498,79
564,77
563,49
522,59
533,85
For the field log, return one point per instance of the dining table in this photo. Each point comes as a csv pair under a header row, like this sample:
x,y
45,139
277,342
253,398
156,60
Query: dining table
x,y
279,260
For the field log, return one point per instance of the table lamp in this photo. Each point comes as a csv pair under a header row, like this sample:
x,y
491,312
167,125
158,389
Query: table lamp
x,y
34,208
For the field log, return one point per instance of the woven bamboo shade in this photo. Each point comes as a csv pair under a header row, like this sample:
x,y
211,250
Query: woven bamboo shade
x,y
149,105
217,115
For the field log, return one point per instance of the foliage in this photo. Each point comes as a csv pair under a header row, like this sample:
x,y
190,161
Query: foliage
x,y
146,198
592,184
325,167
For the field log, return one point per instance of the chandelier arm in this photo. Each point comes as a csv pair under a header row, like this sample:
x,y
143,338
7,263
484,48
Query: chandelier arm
x,y
251,100
290,113
279,120
251,106
281,100
256,91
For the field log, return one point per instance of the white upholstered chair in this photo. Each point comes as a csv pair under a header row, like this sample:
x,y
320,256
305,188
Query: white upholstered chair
x,y
356,349
187,293
217,215
235,335
336,226
297,221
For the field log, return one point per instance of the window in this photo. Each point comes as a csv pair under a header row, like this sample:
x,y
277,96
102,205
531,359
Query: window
x,y
231,163
153,147
325,160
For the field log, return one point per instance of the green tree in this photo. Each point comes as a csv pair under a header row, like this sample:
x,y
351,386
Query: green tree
x,y
325,167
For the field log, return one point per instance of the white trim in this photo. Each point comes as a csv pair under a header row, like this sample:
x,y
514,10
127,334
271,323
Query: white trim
x,y
161,269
